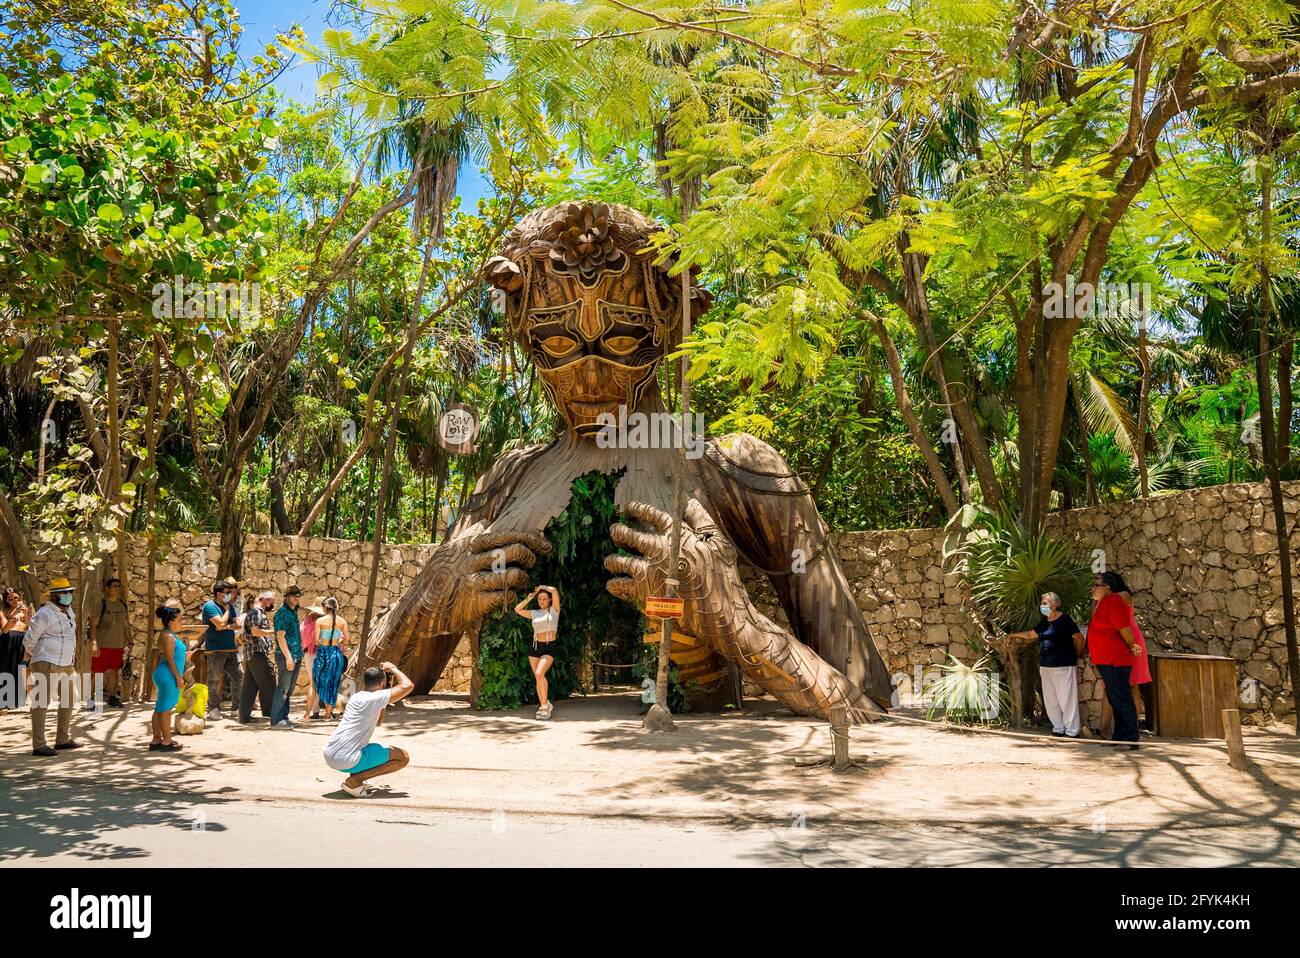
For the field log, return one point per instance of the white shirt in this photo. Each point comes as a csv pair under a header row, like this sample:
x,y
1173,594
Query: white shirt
x,y
343,750
52,635
545,621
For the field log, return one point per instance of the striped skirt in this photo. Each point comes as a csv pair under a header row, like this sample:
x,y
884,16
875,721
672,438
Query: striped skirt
x,y
327,673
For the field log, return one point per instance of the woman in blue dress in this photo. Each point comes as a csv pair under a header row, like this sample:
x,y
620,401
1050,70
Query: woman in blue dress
x,y
167,679
331,655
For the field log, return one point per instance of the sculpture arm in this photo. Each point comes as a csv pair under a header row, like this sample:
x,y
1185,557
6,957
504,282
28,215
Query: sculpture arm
x,y
717,610
769,513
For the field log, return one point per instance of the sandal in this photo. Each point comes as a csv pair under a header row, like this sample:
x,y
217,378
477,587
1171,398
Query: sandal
x,y
154,746
170,747
361,791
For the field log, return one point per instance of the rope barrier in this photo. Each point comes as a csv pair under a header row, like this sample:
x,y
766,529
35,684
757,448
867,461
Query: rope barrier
x,y
1043,739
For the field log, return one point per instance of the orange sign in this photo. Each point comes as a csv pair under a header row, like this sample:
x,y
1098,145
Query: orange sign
x,y
664,607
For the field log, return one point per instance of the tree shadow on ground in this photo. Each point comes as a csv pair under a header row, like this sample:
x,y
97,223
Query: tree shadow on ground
x,y
1198,826
73,802
43,817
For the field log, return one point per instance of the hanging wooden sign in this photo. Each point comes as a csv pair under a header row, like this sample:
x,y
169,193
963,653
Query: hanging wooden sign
x,y
458,429
664,607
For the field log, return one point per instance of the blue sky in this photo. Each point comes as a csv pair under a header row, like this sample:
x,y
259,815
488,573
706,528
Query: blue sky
x,y
263,19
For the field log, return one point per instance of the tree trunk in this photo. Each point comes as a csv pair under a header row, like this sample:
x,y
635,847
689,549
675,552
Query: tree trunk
x,y
18,552
1268,437
390,446
904,401
229,551
142,681
1144,402
1090,483
1285,403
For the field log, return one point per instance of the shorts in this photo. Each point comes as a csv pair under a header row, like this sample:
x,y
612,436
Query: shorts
x,y
108,660
372,756
537,649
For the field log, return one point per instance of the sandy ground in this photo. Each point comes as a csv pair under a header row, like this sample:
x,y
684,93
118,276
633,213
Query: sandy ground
x,y
589,787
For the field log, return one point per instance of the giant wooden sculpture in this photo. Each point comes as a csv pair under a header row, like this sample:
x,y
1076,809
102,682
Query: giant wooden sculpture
x,y
585,298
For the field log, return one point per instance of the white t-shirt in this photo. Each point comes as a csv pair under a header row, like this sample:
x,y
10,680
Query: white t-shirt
x,y
544,620
343,750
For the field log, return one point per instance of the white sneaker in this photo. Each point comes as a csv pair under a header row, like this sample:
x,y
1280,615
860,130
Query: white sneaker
x,y
283,723
545,711
214,714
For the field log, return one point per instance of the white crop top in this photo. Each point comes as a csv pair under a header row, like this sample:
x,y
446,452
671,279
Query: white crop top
x,y
545,620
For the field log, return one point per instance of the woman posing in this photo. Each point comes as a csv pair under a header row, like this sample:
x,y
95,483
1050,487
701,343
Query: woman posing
x,y
541,654
168,680
13,624
331,655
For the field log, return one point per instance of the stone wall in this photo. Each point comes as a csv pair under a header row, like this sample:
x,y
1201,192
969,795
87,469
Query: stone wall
x,y
1203,565
1204,568
318,566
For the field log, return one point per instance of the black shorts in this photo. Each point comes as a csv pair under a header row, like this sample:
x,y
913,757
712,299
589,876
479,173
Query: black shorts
x,y
537,649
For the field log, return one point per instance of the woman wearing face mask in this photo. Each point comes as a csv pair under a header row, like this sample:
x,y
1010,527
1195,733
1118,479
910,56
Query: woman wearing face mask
x,y
1059,645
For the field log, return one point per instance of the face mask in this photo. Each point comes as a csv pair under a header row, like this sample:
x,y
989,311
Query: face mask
x,y
65,598
1045,609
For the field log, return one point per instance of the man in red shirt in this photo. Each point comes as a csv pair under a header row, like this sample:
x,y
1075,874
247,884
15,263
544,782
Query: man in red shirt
x,y
1113,648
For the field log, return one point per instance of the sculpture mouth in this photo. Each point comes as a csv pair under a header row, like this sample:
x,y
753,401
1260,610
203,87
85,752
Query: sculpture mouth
x,y
591,408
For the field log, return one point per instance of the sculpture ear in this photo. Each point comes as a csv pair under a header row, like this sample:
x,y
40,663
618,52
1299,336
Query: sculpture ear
x,y
504,274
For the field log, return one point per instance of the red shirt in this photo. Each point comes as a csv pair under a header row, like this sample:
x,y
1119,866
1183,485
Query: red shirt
x,y
1105,645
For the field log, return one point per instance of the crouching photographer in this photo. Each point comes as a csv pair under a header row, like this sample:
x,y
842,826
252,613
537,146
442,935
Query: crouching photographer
x,y
350,749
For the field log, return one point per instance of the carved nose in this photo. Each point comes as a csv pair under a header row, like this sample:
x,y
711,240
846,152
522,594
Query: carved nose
x,y
590,377
589,324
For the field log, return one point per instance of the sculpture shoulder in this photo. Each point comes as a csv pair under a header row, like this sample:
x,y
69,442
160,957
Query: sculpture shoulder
x,y
754,464
495,485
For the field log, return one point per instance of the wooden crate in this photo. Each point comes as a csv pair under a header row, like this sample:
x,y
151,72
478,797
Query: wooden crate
x,y
1189,692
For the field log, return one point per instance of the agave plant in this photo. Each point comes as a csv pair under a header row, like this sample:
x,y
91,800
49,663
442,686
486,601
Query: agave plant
x,y
968,694
1007,567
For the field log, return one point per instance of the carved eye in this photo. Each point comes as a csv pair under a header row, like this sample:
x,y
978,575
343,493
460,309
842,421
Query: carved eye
x,y
622,345
558,345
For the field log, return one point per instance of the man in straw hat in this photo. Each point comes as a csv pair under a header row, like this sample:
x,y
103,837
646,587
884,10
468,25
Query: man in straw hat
x,y
49,649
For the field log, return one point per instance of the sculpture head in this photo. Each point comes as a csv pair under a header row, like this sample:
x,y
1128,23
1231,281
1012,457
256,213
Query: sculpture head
x,y
584,296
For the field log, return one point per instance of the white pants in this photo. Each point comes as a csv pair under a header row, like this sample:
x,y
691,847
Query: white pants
x,y
1061,698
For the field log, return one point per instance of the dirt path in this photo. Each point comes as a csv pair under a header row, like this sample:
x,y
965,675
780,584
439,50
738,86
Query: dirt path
x,y
928,792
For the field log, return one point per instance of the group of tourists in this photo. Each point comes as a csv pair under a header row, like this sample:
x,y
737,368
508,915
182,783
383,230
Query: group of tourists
x,y
254,655
1116,647
257,654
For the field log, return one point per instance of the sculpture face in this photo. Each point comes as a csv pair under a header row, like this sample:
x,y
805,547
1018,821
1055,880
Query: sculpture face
x,y
596,346
594,312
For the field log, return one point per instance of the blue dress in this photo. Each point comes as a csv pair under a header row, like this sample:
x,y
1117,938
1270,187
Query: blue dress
x,y
327,670
168,692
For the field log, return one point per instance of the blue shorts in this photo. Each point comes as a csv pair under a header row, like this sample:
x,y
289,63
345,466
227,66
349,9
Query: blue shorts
x,y
372,756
